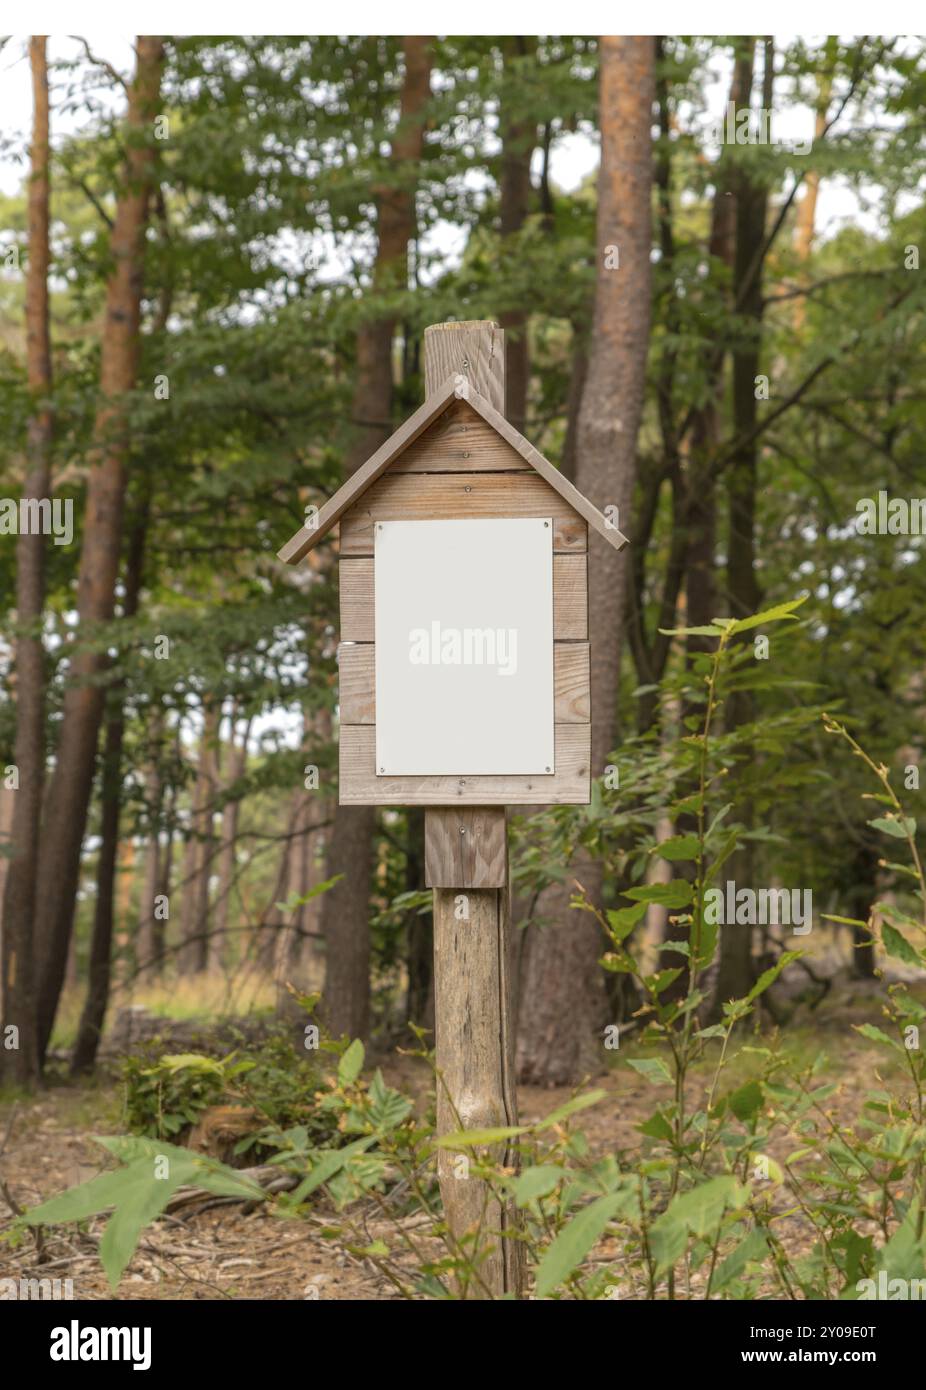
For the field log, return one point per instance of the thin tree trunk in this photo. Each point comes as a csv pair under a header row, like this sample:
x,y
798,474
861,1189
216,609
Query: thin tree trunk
x,y
93,1015
736,969
345,908
69,794
519,138
228,855
806,220
19,961
197,859
562,997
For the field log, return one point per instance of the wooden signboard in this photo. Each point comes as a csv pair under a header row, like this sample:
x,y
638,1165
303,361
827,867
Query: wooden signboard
x,y
464,688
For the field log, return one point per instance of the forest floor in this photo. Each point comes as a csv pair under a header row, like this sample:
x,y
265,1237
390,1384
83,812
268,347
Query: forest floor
x,y
220,1251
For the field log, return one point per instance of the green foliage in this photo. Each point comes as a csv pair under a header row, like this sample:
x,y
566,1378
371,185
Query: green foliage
x,y
165,1095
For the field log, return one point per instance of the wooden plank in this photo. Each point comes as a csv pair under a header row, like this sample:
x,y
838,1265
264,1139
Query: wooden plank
x,y
571,683
466,847
459,441
474,350
358,619
473,996
305,538
568,786
570,599
546,470
357,683
447,496
474,1045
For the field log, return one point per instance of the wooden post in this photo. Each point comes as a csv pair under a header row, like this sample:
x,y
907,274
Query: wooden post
x,y
466,864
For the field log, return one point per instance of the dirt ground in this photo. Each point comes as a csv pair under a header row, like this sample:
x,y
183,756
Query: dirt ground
x,y
221,1251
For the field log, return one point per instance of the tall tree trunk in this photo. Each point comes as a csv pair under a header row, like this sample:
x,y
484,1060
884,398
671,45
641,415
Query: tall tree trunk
x,y
217,952
19,958
806,221
562,987
736,971
69,793
93,1015
345,908
197,859
519,138
153,855
697,491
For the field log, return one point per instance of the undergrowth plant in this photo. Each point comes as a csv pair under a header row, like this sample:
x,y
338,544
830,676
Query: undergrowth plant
x,y
749,1179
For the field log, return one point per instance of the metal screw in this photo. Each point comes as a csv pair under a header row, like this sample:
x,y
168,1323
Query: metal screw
x,y
546,523
382,769
467,489
462,830
546,769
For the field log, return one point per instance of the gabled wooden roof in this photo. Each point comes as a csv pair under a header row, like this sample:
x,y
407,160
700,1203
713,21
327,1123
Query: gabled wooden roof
x,y
306,538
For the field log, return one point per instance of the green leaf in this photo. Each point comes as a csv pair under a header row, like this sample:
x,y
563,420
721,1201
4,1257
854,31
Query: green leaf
x,y
136,1194
706,631
753,1248
653,1068
575,1240
892,825
622,920
697,1212
536,1182
674,894
746,1101
869,1030
330,1163
899,946
351,1064
657,1126
570,1107
768,977
476,1138
679,847
780,613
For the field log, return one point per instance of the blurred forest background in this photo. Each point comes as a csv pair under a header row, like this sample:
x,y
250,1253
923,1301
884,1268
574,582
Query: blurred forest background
x,y
214,282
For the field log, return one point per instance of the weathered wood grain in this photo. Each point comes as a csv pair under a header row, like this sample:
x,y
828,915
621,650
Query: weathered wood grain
x,y
448,496
466,847
460,441
570,597
571,683
472,350
568,786
474,1037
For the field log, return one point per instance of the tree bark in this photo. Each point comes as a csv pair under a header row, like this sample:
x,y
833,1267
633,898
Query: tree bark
x,y
19,960
736,970
69,794
345,908
562,995
93,1015
200,848
519,138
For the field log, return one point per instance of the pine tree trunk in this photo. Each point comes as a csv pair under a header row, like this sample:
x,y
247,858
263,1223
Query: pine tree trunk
x,y
519,138
69,793
736,970
197,859
93,1015
345,908
19,959
562,994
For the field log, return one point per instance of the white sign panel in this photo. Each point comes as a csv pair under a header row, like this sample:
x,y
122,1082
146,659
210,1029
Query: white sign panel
x,y
464,647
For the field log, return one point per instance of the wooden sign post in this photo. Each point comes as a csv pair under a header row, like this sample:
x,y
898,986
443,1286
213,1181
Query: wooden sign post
x,y
464,688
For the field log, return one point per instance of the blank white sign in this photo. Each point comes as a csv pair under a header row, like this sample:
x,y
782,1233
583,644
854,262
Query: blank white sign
x,y
464,647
